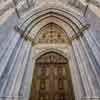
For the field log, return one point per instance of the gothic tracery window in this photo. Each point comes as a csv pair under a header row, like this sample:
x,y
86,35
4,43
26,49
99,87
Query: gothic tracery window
x,y
51,33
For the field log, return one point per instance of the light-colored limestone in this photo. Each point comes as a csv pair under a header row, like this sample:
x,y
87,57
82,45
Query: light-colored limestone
x,y
18,56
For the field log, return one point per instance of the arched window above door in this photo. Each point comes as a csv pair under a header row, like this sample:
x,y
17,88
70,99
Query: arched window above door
x,y
51,33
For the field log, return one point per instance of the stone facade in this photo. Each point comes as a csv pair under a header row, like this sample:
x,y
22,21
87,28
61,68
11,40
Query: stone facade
x,y
18,54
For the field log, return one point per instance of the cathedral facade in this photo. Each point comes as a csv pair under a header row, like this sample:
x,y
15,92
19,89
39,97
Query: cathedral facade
x,y
52,52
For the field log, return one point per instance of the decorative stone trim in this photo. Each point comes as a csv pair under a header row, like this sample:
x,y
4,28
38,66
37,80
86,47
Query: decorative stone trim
x,y
75,36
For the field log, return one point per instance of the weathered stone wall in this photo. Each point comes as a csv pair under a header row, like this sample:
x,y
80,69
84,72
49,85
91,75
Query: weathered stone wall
x,y
17,56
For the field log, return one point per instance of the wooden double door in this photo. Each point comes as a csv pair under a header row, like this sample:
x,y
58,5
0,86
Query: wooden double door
x,y
51,79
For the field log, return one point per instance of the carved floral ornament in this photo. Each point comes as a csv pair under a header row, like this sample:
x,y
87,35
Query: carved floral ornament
x,y
53,34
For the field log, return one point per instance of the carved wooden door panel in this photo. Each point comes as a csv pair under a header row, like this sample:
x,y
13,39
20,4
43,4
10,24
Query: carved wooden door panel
x,y
52,79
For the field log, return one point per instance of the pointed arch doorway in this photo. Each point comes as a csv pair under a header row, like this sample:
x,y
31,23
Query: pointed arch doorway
x,y
51,78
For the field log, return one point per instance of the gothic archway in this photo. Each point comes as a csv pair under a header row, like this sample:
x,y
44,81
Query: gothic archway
x,y
51,78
